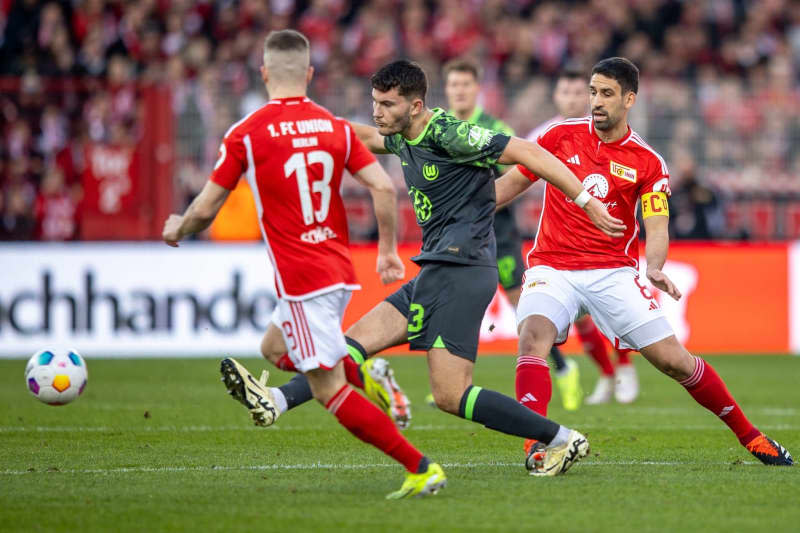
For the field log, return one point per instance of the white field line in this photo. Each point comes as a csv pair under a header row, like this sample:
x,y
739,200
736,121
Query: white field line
x,y
330,466
464,427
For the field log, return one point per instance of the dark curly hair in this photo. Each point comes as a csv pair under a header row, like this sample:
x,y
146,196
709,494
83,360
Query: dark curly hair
x,y
407,76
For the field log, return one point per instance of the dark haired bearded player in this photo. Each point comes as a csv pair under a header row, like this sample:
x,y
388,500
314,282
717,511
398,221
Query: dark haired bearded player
x,y
576,270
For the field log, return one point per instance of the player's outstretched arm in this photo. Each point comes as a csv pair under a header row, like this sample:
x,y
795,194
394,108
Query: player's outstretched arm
x,y
656,247
510,185
198,216
390,267
371,138
546,165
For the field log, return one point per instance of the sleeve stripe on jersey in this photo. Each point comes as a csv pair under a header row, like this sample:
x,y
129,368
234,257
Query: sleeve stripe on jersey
x,y
635,233
638,140
347,136
238,123
569,121
250,173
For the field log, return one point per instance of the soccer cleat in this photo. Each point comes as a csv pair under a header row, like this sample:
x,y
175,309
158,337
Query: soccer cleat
x,y
626,384
769,452
569,385
603,391
557,460
416,485
534,455
381,387
253,394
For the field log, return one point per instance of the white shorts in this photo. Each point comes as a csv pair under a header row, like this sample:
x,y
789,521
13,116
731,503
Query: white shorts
x,y
312,329
621,305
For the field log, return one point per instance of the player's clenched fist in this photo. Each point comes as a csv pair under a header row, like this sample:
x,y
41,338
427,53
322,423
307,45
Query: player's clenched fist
x,y
598,214
171,233
390,268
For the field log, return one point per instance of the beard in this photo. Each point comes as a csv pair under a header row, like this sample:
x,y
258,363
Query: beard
x,y
400,125
606,124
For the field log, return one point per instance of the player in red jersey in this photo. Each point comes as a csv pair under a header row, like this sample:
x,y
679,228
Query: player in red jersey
x,y
574,269
293,153
571,97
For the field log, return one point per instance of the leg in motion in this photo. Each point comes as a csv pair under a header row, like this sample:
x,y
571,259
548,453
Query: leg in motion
x,y
366,422
704,385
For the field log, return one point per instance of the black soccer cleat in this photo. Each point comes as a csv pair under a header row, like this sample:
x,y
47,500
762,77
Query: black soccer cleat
x,y
769,452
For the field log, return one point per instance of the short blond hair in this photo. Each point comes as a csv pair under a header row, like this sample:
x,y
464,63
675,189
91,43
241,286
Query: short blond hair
x,y
287,55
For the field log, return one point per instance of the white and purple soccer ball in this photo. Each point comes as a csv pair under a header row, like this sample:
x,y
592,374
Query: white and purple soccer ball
x,y
56,376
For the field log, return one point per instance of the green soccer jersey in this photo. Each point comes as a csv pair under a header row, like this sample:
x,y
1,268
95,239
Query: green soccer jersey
x,y
449,172
483,119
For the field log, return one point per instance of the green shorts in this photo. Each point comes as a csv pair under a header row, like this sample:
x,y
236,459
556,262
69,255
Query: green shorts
x,y
445,304
510,265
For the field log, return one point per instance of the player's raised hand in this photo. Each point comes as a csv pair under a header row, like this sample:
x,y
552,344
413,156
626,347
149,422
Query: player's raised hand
x,y
663,283
390,267
171,233
598,214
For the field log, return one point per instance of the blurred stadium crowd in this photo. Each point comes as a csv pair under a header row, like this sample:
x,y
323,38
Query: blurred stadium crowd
x,y
719,97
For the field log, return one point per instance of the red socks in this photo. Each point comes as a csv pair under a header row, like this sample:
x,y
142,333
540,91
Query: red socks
x,y
708,389
533,384
352,370
371,425
595,346
624,356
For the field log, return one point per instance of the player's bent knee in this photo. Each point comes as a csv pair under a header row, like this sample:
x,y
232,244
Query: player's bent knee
x,y
670,357
447,399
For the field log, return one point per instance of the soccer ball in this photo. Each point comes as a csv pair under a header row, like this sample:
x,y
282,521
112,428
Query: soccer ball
x,y
56,377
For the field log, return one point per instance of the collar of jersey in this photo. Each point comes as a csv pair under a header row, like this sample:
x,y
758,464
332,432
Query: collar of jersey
x,y
289,100
621,140
436,112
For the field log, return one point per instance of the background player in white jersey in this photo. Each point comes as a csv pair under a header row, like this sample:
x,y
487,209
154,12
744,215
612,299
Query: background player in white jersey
x,y
293,153
462,87
571,98
576,270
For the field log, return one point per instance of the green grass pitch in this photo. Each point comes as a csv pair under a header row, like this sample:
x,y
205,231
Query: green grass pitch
x,y
156,445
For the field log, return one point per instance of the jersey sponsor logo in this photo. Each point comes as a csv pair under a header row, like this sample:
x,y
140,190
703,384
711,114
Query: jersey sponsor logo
x,y
422,205
655,204
621,171
318,235
477,137
597,185
430,171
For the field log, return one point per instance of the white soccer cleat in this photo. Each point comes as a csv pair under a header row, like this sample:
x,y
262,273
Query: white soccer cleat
x,y
250,392
557,460
603,391
626,386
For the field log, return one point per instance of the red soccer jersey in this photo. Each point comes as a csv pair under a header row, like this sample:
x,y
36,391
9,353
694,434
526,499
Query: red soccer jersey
x,y
617,174
293,153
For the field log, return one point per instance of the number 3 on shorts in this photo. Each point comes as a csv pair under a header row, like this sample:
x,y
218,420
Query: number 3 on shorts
x,y
415,315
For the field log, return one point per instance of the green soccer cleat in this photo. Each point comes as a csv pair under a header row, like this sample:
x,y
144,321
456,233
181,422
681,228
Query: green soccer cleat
x,y
569,385
381,387
417,485
253,394
559,459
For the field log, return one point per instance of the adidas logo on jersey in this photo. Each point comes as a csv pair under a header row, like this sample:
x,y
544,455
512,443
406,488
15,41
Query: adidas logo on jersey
x,y
575,160
528,398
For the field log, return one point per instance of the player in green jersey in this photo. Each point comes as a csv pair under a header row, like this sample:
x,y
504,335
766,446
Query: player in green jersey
x,y
449,169
462,87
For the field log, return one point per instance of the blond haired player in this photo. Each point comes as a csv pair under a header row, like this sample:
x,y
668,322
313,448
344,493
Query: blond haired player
x,y
293,153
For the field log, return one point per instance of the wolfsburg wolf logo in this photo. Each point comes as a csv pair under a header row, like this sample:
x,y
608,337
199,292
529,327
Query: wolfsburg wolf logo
x,y
430,171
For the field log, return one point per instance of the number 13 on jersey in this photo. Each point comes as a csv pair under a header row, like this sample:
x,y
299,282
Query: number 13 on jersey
x,y
298,164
